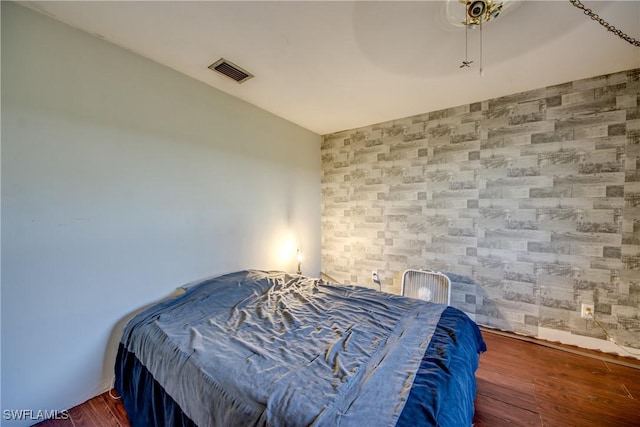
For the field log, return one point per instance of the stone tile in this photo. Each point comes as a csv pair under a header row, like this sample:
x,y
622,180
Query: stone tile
x,y
531,201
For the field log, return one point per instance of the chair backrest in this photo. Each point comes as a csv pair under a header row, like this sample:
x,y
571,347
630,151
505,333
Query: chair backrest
x,y
427,285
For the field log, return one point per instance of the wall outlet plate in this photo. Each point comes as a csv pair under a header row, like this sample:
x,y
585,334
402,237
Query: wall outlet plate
x,y
585,310
374,276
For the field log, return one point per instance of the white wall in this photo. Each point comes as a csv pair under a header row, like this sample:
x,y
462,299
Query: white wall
x,y
122,179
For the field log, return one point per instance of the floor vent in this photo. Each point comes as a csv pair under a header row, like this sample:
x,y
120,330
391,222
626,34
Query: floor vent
x,y
230,70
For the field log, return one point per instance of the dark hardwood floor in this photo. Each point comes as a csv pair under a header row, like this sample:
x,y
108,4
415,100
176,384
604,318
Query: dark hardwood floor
x,y
526,384
519,384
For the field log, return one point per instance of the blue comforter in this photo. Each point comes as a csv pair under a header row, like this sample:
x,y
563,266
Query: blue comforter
x,y
259,348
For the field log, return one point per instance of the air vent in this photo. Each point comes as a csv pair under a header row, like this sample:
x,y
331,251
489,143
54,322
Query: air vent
x,y
230,70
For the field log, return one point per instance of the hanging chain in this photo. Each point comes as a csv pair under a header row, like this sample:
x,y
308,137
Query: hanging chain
x,y
604,23
466,62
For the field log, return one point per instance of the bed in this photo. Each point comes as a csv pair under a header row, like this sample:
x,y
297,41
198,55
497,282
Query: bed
x,y
256,348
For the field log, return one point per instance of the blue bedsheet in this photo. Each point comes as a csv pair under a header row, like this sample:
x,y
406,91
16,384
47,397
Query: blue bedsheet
x,y
257,348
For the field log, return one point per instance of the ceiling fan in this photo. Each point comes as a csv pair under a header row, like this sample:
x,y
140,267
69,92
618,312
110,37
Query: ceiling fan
x,y
477,12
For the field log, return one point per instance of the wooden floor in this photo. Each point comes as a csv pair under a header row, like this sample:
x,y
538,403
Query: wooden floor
x,y
519,384
526,384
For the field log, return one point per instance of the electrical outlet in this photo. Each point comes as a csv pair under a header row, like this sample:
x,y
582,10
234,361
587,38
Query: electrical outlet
x,y
587,311
374,276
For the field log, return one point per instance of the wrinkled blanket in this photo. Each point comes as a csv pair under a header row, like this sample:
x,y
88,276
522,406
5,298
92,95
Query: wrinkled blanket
x,y
261,348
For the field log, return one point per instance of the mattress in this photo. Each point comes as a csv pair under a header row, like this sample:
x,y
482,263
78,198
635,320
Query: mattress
x,y
273,349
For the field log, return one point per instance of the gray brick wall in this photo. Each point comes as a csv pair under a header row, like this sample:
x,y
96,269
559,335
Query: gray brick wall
x,y
530,202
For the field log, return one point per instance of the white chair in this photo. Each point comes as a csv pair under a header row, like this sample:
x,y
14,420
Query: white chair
x,y
427,285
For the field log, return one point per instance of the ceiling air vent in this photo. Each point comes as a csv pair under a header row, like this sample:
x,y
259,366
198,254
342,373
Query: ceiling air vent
x,y
230,70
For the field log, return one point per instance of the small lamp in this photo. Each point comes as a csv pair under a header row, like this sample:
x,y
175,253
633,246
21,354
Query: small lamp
x,y
299,259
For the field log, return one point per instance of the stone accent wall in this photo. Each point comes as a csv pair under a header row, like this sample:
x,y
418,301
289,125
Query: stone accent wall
x,y
529,202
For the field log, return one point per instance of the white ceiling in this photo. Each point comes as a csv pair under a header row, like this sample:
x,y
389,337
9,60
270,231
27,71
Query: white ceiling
x,y
335,65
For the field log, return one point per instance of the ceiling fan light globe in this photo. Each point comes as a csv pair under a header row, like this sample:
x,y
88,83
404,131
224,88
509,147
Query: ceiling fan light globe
x,y
494,11
476,8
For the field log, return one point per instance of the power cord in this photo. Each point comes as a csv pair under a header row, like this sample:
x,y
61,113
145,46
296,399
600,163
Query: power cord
x,y
113,382
606,333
